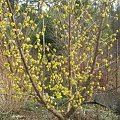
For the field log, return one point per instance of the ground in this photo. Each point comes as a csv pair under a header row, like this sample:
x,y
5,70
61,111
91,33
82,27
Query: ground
x,y
33,111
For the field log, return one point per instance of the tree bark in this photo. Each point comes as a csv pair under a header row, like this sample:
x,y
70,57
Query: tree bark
x,y
12,4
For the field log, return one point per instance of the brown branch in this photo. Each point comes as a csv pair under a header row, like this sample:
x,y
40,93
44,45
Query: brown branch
x,y
69,58
95,56
73,109
41,99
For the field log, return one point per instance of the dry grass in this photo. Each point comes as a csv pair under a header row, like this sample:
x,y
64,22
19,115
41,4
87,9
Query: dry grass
x,y
34,111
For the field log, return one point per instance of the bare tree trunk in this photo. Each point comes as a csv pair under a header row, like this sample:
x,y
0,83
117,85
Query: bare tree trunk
x,y
12,4
43,54
117,56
